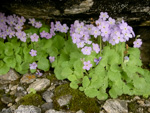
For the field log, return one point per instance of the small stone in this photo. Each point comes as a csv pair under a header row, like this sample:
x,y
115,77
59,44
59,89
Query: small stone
x,y
64,100
17,99
53,111
27,78
6,99
51,88
27,109
9,77
7,90
80,111
47,106
148,110
115,106
39,84
47,96
10,104
141,102
136,98
20,88
14,87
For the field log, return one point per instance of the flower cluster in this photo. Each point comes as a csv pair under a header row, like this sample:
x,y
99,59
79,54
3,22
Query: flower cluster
x,y
108,28
11,26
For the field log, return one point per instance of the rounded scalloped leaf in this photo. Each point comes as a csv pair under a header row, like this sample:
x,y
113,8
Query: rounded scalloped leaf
x,y
72,77
4,69
1,63
74,85
102,96
10,61
91,92
44,28
85,82
43,64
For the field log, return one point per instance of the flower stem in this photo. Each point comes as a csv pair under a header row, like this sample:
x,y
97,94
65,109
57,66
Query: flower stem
x,y
100,44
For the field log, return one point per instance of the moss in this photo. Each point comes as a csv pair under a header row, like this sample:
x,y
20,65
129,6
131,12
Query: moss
x,y
31,99
2,105
79,100
132,107
51,77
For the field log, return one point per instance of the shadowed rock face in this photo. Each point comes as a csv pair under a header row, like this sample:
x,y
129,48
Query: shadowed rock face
x,y
132,11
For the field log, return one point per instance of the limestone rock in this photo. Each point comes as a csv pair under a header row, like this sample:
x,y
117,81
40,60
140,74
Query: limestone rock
x,y
6,110
9,77
5,99
27,109
47,106
27,78
39,84
54,111
115,106
47,95
64,100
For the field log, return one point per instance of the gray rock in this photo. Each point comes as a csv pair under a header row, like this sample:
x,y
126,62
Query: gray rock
x,y
82,7
9,77
47,106
4,110
80,111
39,84
64,100
27,109
27,78
5,99
115,106
54,111
47,96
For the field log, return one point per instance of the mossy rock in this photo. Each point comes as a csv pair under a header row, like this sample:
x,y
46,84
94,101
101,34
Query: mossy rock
x,y
79,100
31,99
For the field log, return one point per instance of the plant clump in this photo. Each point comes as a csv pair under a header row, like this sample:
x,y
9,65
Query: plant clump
x,y
93,57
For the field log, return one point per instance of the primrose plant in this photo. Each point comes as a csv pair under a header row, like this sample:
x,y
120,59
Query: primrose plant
x,y
93,57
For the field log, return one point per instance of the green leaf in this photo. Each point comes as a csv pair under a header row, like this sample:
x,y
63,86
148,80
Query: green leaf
x,y
4,69
66,71
114,76
58,42
57,71
85,82
44,28
40,54
102,95
32,70
91,92
115,68
1,63
139,82
69,44
52,51
78,68
72,78
2,47
8,51
27,56
134,51
74,85
18,59
10,61
18,67
43,64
